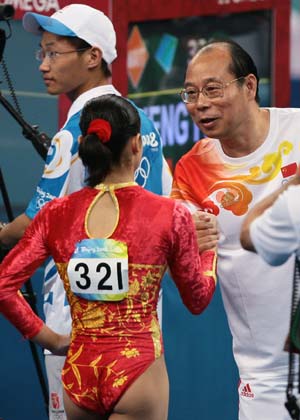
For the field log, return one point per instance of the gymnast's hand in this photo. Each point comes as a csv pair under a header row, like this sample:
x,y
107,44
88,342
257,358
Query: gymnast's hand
x,y
58,344
62,345
207,230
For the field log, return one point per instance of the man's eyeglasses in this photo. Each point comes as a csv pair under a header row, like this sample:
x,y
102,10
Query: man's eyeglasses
x,y
40,54
211,90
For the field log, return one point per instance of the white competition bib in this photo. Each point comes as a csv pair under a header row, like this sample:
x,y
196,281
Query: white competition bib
x,y
98,270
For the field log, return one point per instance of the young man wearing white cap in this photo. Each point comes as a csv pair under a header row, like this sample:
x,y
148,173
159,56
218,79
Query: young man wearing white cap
x,y
77,47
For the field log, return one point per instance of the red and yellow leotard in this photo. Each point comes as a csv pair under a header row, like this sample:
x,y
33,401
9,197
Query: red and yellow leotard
x,y
113,341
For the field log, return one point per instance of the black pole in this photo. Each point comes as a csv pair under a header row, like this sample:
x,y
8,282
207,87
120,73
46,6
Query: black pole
x,y
31,299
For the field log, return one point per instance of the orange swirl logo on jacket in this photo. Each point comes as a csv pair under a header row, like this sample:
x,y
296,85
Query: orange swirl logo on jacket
x,y
215,187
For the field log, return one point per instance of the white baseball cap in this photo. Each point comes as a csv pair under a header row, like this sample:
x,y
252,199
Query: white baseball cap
x,y
79,20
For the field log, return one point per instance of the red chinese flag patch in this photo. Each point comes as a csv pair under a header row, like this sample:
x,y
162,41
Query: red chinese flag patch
x,y
289,170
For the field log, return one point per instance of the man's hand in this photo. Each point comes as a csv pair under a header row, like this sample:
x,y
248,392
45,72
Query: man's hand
x,y
207,230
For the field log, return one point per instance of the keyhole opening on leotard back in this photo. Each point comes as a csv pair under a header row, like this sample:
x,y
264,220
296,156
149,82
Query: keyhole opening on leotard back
x,y
103,216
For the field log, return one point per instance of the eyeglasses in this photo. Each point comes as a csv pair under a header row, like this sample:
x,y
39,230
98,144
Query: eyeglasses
x,y
211,90
40,54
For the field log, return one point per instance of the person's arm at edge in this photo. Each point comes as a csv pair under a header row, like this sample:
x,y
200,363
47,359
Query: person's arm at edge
x,y
259,209
58,344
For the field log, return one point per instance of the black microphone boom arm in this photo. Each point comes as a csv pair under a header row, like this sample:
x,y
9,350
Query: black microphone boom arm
x,y
40,141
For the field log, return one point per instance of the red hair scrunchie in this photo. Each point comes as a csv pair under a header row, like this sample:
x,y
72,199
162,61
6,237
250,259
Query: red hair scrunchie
x,y
101,128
